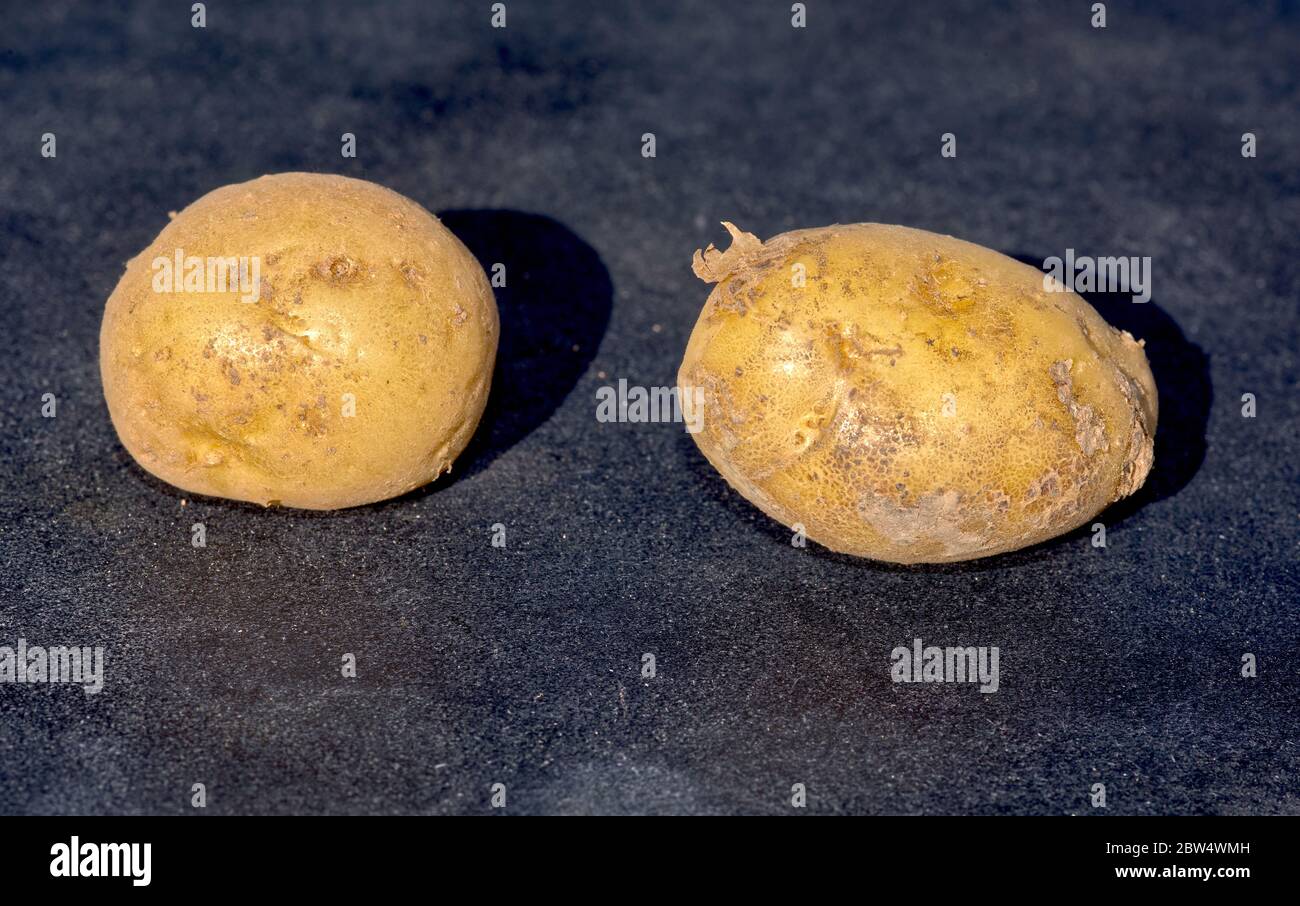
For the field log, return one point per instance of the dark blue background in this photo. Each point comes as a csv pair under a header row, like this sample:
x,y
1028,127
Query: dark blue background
x,y
479,665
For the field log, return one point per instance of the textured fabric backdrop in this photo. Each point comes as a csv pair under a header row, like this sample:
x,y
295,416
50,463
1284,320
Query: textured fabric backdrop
x,y
479,665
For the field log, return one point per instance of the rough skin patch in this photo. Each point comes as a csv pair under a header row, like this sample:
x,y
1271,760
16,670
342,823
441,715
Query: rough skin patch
x,y
1089,429
914,398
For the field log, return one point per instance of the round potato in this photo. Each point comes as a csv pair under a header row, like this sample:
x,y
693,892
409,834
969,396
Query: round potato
x,y
305,340
910,397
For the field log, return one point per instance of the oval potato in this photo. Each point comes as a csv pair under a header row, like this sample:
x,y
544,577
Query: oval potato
x,y
355,370
910,397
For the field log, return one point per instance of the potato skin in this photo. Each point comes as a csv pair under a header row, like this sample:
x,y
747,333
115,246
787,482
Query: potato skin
x,y
363,292
919,400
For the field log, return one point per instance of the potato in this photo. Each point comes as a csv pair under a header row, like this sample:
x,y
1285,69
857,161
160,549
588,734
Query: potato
x,y
351,364
911,397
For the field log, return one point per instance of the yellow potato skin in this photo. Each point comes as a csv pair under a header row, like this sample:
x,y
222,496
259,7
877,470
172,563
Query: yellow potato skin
x,y
362,292
919,399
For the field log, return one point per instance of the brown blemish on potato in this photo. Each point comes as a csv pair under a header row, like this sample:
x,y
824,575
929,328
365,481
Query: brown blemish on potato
x,y
411,274
1141,446
1089,428
936,524
339,269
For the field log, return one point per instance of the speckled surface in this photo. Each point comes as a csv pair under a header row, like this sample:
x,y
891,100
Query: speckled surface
x,y
479,665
